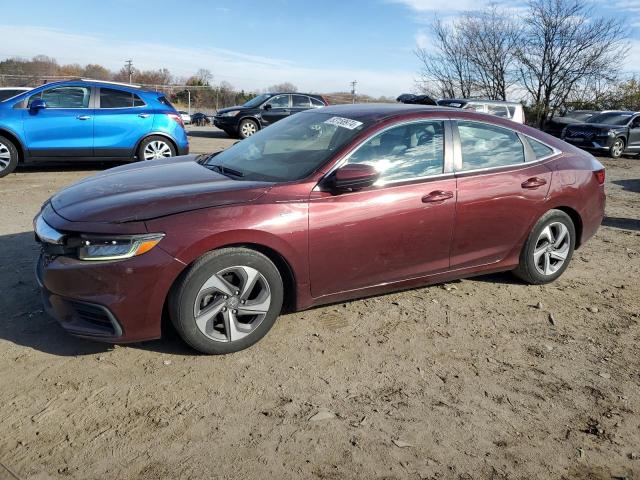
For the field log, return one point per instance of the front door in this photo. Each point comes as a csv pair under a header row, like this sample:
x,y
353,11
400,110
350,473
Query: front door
x,y
65,127
398,229
275,109
499,194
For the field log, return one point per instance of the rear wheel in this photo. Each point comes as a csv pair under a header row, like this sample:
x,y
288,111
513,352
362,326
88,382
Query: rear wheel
x,y
156,147
8,157
548,250
227,300
247,128
617,148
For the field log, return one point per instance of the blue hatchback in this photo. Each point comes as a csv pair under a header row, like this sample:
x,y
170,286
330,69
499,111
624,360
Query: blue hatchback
x,y
88,120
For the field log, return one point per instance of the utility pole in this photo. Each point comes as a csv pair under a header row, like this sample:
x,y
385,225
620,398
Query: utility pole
x,y
354,93
129,65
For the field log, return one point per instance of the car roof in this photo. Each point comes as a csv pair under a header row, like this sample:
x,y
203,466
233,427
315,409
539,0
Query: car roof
x,y
477,100
380,111
99,83
315,95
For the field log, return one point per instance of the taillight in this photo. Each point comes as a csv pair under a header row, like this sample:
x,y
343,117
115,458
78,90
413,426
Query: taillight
x,y
599,176
177,118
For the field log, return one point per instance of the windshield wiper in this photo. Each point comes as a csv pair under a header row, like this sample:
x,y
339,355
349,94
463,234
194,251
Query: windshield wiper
x,y
226,170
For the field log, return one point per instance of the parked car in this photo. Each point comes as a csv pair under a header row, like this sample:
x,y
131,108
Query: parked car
x,y
557,124
200,119
411,99
10,92
511,110
263,110
612,133
186,118
325,206
88,120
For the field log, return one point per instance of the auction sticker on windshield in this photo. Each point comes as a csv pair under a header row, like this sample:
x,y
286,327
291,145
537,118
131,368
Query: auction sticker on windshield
x,y
343,122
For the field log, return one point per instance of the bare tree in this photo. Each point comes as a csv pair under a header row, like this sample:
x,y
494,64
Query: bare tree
x,y
490,38
283,87
446,69
566,45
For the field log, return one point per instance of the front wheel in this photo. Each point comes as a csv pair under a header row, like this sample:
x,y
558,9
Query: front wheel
x,y
227,300
8,157
247,128
156,147
617,148
548,250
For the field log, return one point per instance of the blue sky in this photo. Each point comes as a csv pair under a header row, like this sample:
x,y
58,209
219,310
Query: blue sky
x,y
319,46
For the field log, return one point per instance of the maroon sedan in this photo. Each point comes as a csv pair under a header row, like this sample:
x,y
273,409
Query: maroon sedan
x,y
324,206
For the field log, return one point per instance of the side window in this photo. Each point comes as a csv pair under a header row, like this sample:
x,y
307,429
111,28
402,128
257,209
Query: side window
x,y
281,101
316,103
64,97
487,146
112,98
498,111
300,101
404,152
474,107
539,149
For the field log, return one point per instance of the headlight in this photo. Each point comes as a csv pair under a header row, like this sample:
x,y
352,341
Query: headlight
x,y
116,247
611,133
230,114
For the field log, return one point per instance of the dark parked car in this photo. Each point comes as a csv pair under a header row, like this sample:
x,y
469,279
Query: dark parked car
x,y
613,133
325,206
556,125
200,119
261,111
411,99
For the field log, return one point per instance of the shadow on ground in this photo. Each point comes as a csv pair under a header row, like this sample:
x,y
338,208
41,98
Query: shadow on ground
x,y
633,185
208,134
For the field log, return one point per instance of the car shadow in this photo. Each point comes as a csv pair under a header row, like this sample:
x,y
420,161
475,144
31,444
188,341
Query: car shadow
x,y
622,223
212,133
67,166
633,185
24,322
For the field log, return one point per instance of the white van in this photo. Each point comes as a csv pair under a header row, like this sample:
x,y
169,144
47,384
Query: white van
x,y
511,110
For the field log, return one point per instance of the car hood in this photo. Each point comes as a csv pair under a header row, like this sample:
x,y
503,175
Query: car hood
x,y
152,189
231,109
597,126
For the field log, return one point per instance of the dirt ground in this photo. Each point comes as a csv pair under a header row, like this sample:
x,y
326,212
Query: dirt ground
x,y
468,380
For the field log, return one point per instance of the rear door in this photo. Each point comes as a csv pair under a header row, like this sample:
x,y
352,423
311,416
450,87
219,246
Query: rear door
x,y
500,193
121,120
276,108
65,127
398,229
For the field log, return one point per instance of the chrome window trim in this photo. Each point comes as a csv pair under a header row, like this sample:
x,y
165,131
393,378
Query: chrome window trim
x,y
458,149
448,154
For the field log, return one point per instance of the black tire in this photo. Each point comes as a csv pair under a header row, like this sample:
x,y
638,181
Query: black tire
x,y
247,128
155,138
527,269
7,165
617,148
185,292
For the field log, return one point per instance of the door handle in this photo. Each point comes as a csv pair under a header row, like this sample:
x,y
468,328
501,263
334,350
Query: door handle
x,y
83,117
437,196
143,115
534,182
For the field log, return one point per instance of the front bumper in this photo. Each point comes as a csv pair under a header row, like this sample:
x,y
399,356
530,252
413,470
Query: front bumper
x,y
593,143
226,123
118,302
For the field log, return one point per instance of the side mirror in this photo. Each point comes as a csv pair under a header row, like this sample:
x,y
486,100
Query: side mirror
x,y
354,176
267,106
37,104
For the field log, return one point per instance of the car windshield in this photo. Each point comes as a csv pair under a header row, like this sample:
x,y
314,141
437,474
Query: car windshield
x,y
289,150
582,116
611,118
255,101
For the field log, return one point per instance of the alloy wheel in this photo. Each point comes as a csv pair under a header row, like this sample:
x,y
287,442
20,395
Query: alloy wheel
x,y
232,303
156,150
618,147
248,129
5,156
552,248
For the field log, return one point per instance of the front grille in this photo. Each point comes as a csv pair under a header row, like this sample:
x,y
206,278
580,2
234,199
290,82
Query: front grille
x,y
581,132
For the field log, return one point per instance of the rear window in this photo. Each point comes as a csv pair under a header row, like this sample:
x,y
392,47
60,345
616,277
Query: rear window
x,y
165,101
112,98
539,149
316,103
